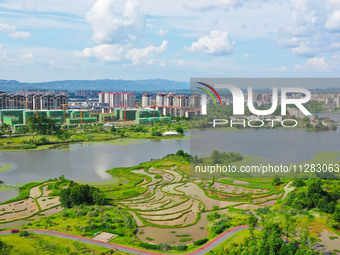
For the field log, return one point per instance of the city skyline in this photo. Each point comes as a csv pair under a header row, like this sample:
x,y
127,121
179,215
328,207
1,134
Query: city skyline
x,y
44,41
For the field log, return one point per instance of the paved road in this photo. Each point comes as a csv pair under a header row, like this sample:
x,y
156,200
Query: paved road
x,y
203,250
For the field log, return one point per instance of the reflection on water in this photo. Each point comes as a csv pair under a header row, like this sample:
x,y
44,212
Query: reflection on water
x,y
84,162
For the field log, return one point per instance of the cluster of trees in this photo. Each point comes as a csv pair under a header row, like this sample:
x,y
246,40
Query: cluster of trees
x,y
42,125
4,248
218,223
5,129
270,241
225,158
316,196
179,154
77,194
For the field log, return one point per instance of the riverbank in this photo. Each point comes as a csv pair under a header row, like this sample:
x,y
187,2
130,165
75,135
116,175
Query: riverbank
x,y
34,142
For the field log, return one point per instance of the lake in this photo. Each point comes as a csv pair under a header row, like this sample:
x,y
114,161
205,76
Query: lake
x,y
88,162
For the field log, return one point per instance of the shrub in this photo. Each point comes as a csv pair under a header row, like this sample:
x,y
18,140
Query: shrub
x,y
201,241
24,233
180,247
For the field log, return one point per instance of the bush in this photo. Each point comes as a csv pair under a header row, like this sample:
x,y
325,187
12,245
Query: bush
x,y
201,241
276,181
213,216
180,247
24,233
149,246
299,183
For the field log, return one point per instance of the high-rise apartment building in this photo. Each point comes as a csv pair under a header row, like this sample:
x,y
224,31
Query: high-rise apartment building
x,y
117,99
32,101
146,100
160,99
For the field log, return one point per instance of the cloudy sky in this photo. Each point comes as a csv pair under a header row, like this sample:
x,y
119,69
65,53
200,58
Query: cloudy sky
x,y
140,39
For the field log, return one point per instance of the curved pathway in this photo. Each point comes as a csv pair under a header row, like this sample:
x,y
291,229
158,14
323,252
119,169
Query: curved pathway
x,y
287,189
203,250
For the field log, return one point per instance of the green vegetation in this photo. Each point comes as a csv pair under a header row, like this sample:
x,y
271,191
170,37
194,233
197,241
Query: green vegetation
x,y
43,133
217,157
163,247
224,112
24,192
269,241
5,248
315,107
218,223
87,220
319,194
42,125
39,244
177,201
77,194
201,241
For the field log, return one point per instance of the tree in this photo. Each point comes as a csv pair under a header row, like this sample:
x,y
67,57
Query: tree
x,y
306,239
179,129
298,182
276,181
77,194
180,153
5,129
42,125
4,248
215,156
252,223
289,225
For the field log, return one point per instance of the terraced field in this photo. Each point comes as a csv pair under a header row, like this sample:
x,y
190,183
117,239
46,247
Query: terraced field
x,y
39,200
176,207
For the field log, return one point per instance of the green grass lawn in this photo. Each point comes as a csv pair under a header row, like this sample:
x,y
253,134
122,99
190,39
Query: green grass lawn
x,y
87,220
236,238
40,244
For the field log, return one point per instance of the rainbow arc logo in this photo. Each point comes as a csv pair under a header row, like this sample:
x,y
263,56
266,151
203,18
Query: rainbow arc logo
x,y
209,93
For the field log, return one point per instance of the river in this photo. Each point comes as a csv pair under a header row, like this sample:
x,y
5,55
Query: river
x,y
88,162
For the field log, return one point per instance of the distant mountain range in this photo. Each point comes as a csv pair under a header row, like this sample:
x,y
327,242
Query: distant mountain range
x,y
114,85
104,85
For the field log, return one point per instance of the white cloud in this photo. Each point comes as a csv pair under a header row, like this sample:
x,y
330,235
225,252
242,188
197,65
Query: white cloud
x,y
163,32
181,62
115,21
333,22
303,50
315,64
216,43
247,55
119,53
282,68
103,52
28,56
204,5
139,56
310,28
11,31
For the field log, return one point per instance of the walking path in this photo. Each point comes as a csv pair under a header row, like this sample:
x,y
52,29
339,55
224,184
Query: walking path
x,y
203,250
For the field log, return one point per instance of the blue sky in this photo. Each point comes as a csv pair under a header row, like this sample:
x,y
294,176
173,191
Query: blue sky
x,y
143,39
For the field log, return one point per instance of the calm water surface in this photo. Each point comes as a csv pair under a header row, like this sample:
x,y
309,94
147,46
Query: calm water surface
x,y
89,162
